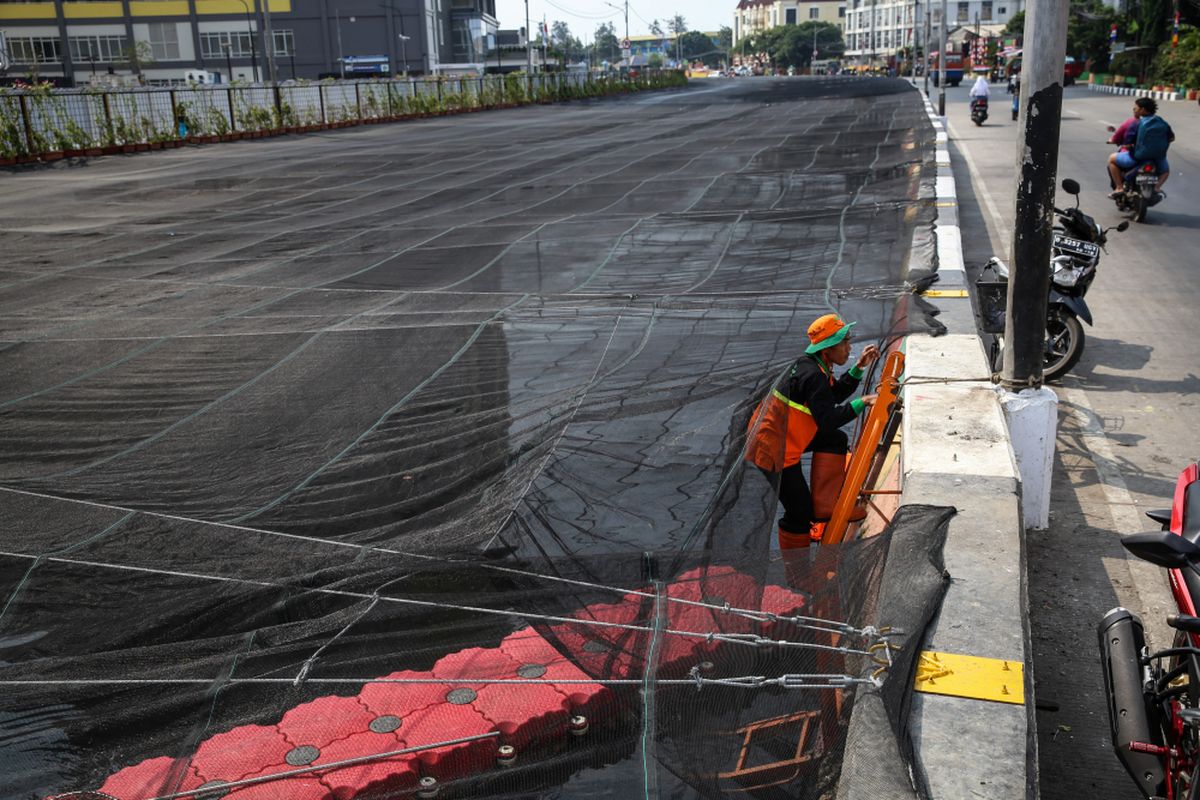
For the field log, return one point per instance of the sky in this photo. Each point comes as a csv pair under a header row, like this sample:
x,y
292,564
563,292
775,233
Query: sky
x,y
583,16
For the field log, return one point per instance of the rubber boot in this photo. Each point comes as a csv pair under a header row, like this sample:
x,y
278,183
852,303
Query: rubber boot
x,y
793,541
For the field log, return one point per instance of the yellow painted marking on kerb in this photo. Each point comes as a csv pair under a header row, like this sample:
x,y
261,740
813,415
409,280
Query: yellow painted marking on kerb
x,y
947,293
972,677
946,204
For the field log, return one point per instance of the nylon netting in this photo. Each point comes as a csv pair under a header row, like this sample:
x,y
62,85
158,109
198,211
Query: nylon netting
x,y
429,438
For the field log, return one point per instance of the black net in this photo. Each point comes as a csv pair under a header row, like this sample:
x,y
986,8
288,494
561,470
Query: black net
x,y
461,403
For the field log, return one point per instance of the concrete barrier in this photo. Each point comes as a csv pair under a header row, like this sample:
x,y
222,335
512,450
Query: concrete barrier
x,y
1134,92
957,452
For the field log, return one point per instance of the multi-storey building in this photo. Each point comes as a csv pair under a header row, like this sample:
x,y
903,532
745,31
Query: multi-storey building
x,y
877,31
73,41
755,16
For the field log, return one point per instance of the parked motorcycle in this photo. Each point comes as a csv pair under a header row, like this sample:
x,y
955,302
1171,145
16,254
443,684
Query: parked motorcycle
x,y
1154,698
1078,240
1139,192
979,109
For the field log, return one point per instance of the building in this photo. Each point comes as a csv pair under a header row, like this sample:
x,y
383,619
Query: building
x,y
77,42
877,32
641,48
756,16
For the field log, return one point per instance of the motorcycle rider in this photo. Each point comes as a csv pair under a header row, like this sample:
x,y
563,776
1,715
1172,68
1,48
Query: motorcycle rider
x,y
980,91
1126,137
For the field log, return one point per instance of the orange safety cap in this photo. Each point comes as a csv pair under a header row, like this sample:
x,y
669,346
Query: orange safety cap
x,y
827,331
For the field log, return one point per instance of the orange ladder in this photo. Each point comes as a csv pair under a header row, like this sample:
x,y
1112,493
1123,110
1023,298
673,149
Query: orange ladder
x,y
874,441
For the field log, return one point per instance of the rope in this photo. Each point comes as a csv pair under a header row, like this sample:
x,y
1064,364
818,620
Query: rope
x,y
917,380
831,681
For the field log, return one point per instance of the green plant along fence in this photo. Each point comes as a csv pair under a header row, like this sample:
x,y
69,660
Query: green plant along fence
x,y
44,122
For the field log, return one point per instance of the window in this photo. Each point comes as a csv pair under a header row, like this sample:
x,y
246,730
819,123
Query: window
x,y
985,12
285,44
841,11
108,49
964,12
34,49
212,45
1003,10
814,12
164,41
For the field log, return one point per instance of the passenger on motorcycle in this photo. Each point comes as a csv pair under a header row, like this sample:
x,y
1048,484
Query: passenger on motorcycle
x,y
980,90
1127,137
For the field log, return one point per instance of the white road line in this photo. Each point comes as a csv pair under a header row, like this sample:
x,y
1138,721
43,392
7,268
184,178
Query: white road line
x,y
1149,582
998,222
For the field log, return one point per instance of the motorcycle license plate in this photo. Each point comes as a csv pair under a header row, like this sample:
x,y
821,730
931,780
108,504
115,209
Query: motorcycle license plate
x,y
1075,246
1144,179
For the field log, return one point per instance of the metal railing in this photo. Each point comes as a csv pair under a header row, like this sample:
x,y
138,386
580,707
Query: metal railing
x,y
42,122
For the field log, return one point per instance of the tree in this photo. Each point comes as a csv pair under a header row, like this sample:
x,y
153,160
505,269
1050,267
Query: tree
x,y
608,46
725,37
677,25
138,55
655,61
792,45
560,33
1016,25
1179,66
697,46
656,28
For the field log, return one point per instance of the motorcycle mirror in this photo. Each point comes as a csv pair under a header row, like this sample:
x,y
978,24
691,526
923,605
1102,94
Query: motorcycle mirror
x,y
1070,186
1162,548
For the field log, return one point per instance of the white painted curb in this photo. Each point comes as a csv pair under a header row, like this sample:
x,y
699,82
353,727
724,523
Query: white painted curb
x,y
1132,92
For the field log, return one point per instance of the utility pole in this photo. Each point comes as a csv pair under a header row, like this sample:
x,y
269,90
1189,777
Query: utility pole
x,y
942,62
871,63
912,52
1039,123
928,36
528,49
269,44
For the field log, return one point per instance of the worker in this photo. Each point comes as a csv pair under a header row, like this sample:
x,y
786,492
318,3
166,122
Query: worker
x,y
804,412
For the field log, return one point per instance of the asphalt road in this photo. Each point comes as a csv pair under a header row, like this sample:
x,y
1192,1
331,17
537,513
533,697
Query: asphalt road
x,y
1128,412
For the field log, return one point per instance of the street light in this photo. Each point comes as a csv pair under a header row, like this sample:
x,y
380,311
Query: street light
x,y
404,51
250,33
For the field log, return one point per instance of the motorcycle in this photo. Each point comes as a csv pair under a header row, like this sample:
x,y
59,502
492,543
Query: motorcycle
x,y
979,109
1078,240
1154,698
1139,192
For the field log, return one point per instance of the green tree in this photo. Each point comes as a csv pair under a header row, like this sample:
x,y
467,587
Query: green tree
x,y
655,61
138,55
656,28
677,25
608,46
1179,66
1016,25
697,46
725,37
792,45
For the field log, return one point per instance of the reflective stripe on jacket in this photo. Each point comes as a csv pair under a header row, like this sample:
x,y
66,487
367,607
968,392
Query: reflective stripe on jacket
x,y
785,429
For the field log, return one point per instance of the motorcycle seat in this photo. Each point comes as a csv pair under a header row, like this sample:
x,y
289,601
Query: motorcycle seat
x,y
1191,513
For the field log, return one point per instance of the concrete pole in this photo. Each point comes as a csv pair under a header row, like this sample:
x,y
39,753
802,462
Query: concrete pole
x,y
1037,165
912,46
272,75
528,49
942,62
928,36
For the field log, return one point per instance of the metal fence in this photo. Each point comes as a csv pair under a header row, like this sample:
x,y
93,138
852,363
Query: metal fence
x,y
44,122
